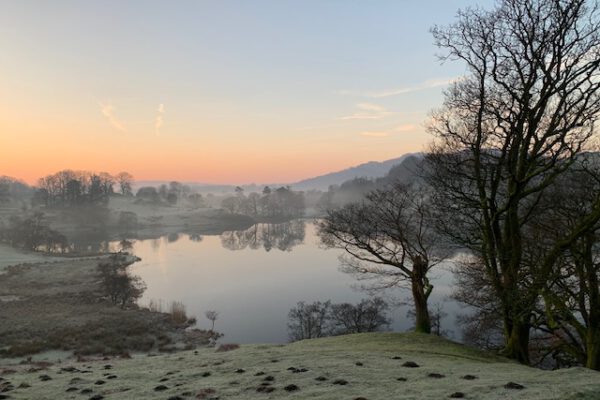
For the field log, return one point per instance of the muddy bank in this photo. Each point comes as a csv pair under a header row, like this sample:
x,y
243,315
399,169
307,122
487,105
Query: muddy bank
x,y
60,305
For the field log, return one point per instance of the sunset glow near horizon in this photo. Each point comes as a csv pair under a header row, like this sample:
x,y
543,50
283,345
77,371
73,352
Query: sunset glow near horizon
x,y
217,92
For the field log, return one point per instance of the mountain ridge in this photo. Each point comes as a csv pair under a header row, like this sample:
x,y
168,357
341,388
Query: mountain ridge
x,y
369,169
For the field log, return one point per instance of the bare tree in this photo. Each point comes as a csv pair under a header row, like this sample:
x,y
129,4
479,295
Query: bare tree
x,y
4,192
367,316
319,319
481,323
148,194
125,181
284,236
388,237
518,120
437,315
309,321
212,316
571,298
70,187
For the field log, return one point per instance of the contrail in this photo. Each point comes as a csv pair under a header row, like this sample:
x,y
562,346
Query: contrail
x,y
159,118
108,111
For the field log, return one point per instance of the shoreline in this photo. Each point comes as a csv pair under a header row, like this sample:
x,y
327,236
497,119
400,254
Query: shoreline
x,y
59,305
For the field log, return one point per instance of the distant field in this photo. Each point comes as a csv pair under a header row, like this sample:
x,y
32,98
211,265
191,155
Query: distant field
x,y
11,256
365,366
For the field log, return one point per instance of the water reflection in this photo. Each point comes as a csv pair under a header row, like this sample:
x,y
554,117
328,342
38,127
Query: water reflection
x,y
194,237
88,244
253,287
173,237
284,236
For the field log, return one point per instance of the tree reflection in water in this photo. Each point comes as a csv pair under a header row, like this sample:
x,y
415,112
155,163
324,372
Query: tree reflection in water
x,y
195,237
173,237
282,236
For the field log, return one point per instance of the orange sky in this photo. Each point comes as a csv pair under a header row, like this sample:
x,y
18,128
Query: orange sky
x,y
40,146
215,92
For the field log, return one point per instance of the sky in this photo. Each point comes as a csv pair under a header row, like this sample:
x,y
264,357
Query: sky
x,y
217,91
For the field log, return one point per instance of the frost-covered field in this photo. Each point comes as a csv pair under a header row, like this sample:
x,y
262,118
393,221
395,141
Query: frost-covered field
x,y
11,256
366,366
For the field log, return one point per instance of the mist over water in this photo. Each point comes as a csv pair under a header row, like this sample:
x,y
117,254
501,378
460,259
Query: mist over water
x,y
253,277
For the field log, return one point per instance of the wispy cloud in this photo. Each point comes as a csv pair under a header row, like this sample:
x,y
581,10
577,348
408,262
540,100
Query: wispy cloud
x,y
368,111
428,84
375,134
158,122
405,128
319,127
387,133
109,112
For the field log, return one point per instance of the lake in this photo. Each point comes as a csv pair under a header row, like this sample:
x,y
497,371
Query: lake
x,y
253,277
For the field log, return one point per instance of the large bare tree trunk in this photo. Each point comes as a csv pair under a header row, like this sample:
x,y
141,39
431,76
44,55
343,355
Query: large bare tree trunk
x,y
519,119
389,229
517,341
592,340
593,349
421,289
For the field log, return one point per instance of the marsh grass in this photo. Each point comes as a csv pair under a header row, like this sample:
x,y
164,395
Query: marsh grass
x,y
178,313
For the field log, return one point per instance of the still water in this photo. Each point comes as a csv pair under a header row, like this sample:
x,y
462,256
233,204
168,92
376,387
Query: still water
x,y
253,277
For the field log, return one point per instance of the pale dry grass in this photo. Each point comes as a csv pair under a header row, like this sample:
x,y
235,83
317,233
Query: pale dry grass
x,y
178,312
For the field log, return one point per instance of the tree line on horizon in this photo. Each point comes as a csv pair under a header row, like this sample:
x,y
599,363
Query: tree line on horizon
x,y
169,194
282,202
68,188
71,188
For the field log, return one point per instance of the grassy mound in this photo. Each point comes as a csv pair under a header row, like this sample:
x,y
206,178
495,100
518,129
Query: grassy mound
x,y
364,366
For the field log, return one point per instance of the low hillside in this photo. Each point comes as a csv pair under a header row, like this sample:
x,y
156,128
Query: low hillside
x,y
371,169
365,366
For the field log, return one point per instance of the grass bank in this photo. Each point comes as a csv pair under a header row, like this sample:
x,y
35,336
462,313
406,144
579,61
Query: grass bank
x,y
365,366
60,305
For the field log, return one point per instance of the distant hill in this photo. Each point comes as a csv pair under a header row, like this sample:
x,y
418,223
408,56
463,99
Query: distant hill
x,y
371,169
408,170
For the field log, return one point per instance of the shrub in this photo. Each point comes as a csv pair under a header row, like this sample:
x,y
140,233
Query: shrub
x,y
366,316
24,349
121,287
228,347
155,306
128,220
33,233
307,321
212,316
178,313
148,193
